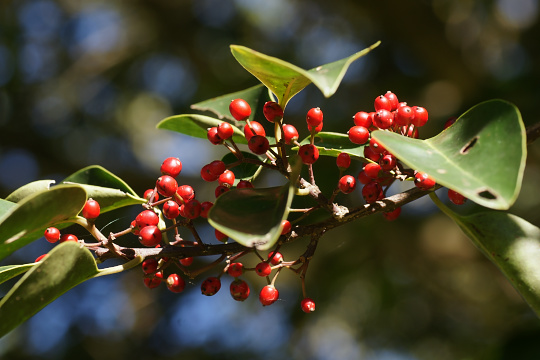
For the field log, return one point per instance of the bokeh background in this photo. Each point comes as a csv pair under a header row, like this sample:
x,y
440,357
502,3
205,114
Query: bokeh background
x,y
86,82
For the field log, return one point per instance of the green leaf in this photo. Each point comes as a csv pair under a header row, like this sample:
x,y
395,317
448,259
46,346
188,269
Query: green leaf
x,y
285,79
64,267
510,242
29,189
22,224
482,155
197,126
107,189
244,171
254,96
10,271
252,217
332,144
5,206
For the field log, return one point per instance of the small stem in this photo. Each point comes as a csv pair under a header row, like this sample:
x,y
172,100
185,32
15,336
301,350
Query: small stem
x,y
116,269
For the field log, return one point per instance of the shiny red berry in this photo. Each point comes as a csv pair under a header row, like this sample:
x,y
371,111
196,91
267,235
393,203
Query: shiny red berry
x,y
52,235
314,117
347,184
216,167
272,111
276,259
151,195
186,192
153,281
186,261
235,269
371,154
91,209
207,175
166,185
382,103
225,130
393,99
307,305
383,119
403,115
171,210
210,286
363,178
376,146
205,208
285,227
226,178
213,137
315,129
308,153
239,290
263,269
254,128
150,236
343,161
150,265
290,134
358,135
220,190
244,184
456,197
68,237
388,162
371,191
175,283
362,118
171,166
146,218
268,295
420,116
258,144
240,109
192,209
372,170
392,215
423,181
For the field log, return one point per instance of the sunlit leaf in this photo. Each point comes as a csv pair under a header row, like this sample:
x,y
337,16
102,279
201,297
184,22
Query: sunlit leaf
x,y
29,189
63,268
332,144
11,271
5,206
482,155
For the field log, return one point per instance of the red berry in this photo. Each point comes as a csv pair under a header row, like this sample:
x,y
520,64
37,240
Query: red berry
x,y
449,122
343,161
186,192
166,185
210,286
225,130
315,129
148,195
394,102
314,117
186,261
392,215
423,181
376,146
388,162
171,210
150,265
372,170
382,103
254,128
52,235
150,236
268,295
175,283
363,178
192,209
153,282
213,136
205,207
308,305
403,116
456,197
258,144
91,209
68,237
236,269
244,184
276,259
217,167
263,269
220,189
239,290
371,154
272,111
171,166
285,227
420,116
240,109
39,258
207,175
358,135
220,236
290,134
371,192
308,153
347,184
383,119
362,118
226,178
146,218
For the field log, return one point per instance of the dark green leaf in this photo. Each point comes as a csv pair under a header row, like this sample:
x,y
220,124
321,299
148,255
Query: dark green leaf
x,y
29,189
482,156
21,225
64,267
244,171
332,144
10,271
285,79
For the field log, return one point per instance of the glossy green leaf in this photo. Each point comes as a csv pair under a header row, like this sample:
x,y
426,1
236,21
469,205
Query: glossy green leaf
x,y
285,79
255,97
244,171
65,266
482,155
29,189
510,242
196,126
11,271
22,224
6,206
332,144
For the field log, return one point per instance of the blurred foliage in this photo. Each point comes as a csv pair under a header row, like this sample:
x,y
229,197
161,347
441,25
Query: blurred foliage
x,y
85,83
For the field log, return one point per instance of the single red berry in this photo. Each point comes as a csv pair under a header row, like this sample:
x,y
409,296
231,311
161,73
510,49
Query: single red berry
x,y
171,166
258,144
150,236
226,178
166,185
285,227
347,184
207,175
307,305
372,170
52,235
403,115
394,102
363,178
146,218
376,146
186,261
290,134
315,129
220,190
423,181
383,119
41,257
91,209
263,269
314,117
371,154
272,111
134,228
217,167
449,122
343,161
236,269
244,184
225,130
240,109
239,290
268,295
171,210
382,103
151,195
362,118
213,136
205,207
153,281
68,237
308,153
210,286
192,209
185,192
150,265
392,215
456,197
371,192
358,135
252,129
175,283
420,116
220,236
388,162
276,259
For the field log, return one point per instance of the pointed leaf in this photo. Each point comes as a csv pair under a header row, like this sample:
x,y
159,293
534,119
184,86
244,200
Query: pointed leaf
x,y
332,144
482,155
26,222
11,271
29,189
285,79
196,126
65,266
